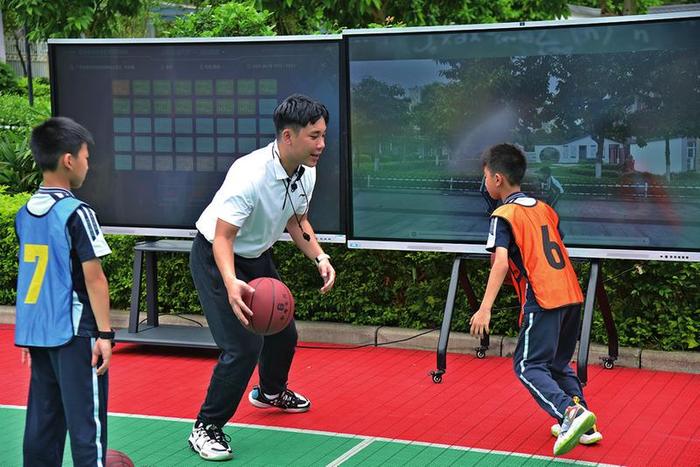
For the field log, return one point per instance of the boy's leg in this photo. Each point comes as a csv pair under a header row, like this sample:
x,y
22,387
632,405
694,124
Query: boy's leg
x,y
84,396
45,427
563,374
536,348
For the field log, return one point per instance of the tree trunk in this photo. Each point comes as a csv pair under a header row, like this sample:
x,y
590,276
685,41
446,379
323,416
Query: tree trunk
x,y
3,57
604,10
19,52
667,153
629,7
600,142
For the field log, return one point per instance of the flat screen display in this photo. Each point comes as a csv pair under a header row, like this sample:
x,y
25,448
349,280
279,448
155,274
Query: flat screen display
x,y
170,117
607,114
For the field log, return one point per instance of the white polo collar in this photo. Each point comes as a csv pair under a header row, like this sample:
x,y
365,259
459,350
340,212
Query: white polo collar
x,y
280,173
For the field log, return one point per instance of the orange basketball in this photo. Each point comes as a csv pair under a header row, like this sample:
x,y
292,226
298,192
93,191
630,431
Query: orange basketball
x,y
272,305
117,459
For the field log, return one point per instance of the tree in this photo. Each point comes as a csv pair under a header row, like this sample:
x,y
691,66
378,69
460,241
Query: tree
x,y
670,84
68,18
304,17
224,20
627,7
595,97
379,111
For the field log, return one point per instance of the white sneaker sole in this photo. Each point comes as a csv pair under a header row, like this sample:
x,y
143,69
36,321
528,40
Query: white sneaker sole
x,y
570,439
261,405
585,439
216,457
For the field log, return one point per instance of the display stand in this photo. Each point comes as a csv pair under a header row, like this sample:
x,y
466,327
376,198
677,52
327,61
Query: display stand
x,y
152,332
459,277
595,291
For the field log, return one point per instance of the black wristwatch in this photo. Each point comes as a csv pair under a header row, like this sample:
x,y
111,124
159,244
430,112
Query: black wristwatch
x,y
107,335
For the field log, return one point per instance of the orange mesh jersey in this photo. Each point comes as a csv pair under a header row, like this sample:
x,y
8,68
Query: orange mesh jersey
x,y
547,266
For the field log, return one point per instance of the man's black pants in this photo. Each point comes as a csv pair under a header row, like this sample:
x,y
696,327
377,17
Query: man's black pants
x,y
241,350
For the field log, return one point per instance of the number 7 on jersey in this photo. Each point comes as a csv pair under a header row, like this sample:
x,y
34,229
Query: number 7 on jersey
x,y
36,254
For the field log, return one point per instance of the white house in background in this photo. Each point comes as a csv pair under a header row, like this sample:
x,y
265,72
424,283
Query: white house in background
x,y
652,157
578,150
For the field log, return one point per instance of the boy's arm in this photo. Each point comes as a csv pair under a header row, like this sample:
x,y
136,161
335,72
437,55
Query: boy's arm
x,y
98,292
480,320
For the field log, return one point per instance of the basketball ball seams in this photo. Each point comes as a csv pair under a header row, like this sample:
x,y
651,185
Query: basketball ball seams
x,y
271,297
272,312
252,299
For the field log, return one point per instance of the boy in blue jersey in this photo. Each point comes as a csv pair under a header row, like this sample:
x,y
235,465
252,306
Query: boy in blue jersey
x,y
63,305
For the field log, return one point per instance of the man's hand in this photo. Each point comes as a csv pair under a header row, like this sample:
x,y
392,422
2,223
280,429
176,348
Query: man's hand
x,y
327,274
102,348
26,357
236,290
480,322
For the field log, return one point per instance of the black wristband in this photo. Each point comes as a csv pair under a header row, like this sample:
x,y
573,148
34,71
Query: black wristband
x,y
107,335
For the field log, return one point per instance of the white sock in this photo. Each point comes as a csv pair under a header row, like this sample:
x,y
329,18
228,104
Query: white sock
x,y
271,396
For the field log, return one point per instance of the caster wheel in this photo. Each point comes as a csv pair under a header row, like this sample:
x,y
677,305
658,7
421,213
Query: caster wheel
x,y
480,354
437,379
608,364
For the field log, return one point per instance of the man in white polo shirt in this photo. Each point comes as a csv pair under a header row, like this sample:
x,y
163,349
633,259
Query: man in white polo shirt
x,y
263,193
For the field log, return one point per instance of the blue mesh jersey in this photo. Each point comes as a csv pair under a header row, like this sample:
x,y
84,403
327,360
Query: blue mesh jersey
x,y
56,233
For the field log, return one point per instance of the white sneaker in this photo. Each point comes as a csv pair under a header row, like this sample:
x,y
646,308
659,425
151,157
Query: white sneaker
x,y
210,442
591,437
577,421
288,400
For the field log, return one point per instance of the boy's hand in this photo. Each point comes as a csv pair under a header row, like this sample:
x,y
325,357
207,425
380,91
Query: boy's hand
x,y
102,348
480,322
26,357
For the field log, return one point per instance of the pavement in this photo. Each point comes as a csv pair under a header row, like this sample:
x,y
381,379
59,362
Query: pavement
x,y
460,343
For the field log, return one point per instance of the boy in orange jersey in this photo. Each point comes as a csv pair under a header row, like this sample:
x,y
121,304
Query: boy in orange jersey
x,y
525,241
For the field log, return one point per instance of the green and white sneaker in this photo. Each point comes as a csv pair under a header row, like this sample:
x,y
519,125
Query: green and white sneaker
x,y
592,436
577,421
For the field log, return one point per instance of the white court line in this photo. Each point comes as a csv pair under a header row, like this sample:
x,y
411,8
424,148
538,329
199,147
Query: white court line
x,y
351,452
366,440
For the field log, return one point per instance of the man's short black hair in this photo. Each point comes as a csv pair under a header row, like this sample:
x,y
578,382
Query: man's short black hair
x,y
55,137
297,111
506,159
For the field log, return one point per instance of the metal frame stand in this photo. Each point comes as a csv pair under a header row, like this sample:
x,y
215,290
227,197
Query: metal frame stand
x,y
595,290
152,332
461,278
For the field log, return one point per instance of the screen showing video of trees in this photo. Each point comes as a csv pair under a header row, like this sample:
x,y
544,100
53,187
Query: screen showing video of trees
x,y
607,115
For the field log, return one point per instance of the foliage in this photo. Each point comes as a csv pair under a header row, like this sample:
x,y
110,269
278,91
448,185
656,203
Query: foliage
x,y
18,171
328,16
68,18
17,115
40,87
655,304
9,205
8,80
238,18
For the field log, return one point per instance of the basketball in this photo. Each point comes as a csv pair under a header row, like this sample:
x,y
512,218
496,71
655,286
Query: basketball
x,y
272,305
117,459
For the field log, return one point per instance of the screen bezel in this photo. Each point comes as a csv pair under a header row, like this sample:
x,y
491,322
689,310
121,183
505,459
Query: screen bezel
x,y
162,231
359,242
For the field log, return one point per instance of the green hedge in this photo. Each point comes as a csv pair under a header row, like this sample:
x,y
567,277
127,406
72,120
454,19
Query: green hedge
x,y
656,304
